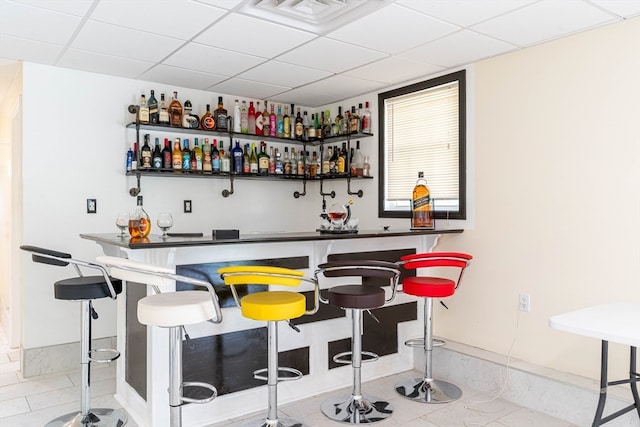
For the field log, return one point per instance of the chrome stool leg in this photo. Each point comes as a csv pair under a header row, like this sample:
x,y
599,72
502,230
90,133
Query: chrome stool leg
x,y
88,417
175,376
428,389
356,408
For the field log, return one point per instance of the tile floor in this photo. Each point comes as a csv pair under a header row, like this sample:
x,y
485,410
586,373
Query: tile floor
x,y
32,402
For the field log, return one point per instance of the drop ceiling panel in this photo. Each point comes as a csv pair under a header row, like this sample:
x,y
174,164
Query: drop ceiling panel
x,y
393,29
253,36
393,70
328,91
624,8
44,25
343,56
71,7
113,40
542,21
28,50
160,17
225,4
104,64
174,76
247,89
209,59
283,74
459,48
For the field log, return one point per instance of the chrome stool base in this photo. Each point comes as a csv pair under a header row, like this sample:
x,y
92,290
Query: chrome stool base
x,y
433,391
349,409
97,417
279,422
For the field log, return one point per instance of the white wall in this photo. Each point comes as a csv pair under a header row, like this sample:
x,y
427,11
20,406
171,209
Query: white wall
x,y
557,197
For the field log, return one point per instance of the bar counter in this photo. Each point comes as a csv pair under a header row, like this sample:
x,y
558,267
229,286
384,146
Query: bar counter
x,y
226,354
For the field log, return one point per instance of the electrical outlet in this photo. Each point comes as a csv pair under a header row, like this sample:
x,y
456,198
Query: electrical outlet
x,y
187,206
524,303
92,206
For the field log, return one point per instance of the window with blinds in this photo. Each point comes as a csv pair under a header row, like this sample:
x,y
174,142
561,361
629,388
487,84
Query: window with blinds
x,y
422,129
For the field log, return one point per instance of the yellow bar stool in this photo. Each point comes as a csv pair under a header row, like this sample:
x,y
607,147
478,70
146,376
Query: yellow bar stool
x,y
172,310
272,307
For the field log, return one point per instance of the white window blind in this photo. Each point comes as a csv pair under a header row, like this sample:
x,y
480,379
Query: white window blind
x,y
421,134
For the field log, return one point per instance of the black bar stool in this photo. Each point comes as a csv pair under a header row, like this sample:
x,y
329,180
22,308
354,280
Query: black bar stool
x,y
84,289
358,408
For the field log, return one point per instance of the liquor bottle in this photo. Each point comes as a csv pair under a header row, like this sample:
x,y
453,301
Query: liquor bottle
x,y
225,160
263,159
339,123
279,167
365,121
326,130
358,159
266,124
366,167
153,109
292,124
273,125
188,119
359,115
198,153
253,159
134,157
286,162
166,155
354,120
143,110
163,114
421,213
156,159
352,165
236,117
207,121
318,125
175,111
186,155
251,118
259,120
216,157
129,163
286,124
140,223
193,165
206,156
307,164
220,116
236,154
279,122
299,127
311,129
244,118
305,127
326,155
313,165
333,161
342,159
272,161
293,161
145,153
301,163
246,159
176,156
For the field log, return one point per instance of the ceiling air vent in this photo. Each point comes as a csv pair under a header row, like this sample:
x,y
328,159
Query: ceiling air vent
x,y
317,16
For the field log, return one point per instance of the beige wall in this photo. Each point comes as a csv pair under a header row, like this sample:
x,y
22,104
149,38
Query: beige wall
x,y
557,145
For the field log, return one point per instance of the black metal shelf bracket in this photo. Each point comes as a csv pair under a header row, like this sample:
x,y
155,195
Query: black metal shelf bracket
x,y
331,193
134,191
227,193
358,193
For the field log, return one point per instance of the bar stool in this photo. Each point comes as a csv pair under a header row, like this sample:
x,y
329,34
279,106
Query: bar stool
x,y
172,310
358,408
428,389
272,307
84,289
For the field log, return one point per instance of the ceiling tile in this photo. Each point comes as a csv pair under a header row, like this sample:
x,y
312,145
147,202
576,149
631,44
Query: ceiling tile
x,y
542,21
161,18
327,91
71,7
343,56
225,4
283,74
373,31
181,77
393,70
104,64
43,25
460,48
209,59
124,42
248,89
464,12
253,36
624,8
29,50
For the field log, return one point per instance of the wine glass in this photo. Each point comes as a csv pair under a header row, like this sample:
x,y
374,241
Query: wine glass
x,y
337,214
165,221
122,222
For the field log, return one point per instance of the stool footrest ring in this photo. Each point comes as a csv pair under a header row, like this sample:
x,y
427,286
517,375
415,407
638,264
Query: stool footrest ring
x,y
367,357
419,342
110,352
294,374
202,385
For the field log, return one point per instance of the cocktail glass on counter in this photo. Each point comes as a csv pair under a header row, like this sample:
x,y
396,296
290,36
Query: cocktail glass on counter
x,y
165,222
122,222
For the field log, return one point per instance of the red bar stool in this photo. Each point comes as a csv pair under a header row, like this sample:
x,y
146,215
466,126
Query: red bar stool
x,y
428,389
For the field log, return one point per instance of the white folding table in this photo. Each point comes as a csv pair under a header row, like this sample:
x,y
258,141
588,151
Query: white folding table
x,y
615,322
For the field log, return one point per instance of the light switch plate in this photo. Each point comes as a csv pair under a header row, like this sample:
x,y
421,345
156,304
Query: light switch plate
x,y
187,206
92,206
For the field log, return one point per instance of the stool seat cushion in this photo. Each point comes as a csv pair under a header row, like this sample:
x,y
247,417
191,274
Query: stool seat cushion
x,y
85,288
273,305
176,308
356,296
430,287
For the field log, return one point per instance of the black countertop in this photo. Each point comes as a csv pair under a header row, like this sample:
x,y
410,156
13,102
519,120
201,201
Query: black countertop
x,y
156,241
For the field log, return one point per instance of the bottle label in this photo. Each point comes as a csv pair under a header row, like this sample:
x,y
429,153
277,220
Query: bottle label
x,y
299,129
164,117
263,164
422,203
221,121
208,122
